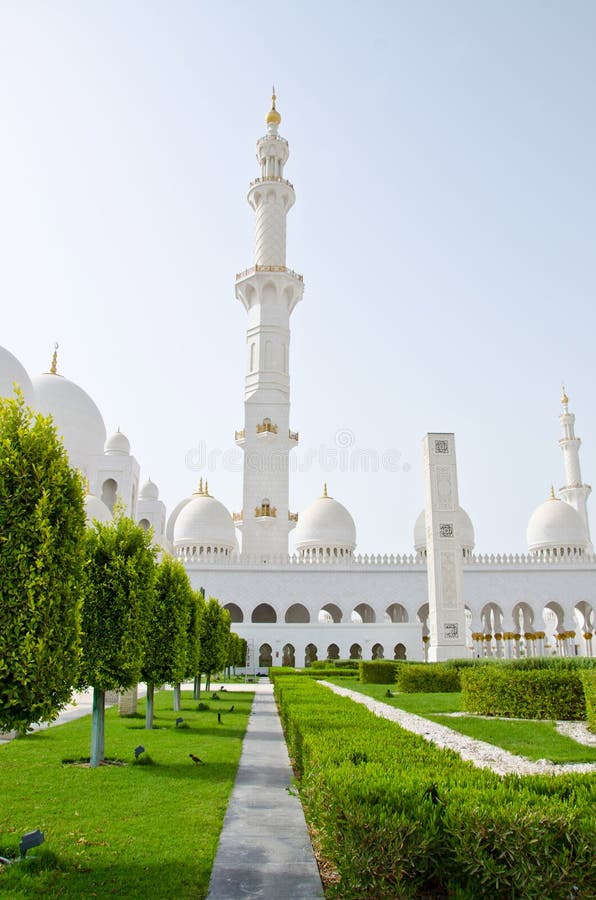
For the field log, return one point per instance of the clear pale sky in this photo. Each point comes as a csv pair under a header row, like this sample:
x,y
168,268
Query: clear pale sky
x,y
443,159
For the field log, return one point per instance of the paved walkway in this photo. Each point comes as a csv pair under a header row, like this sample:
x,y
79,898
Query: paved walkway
x,y
264,850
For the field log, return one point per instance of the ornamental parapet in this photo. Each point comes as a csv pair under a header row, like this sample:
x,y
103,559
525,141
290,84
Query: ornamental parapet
x,y
254,269
266,427
271,178
292,517
265,511
237,516
385,561
240,435
293,435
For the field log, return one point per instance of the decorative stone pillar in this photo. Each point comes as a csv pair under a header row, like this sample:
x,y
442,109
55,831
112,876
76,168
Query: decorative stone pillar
x,y
507,637
447,619
488,647
499,645
127,702
516,646
588,635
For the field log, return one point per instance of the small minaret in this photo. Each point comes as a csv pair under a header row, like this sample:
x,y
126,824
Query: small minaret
x,y
269,292
573,492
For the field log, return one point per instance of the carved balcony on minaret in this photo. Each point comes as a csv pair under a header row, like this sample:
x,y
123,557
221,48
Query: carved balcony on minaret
x,y
238,518
266,428
292,519
265,513
293,436
240,436
253,269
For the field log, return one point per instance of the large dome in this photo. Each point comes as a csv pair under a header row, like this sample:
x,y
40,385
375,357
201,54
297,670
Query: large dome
x,y
325,528
463,528
556,527
204,525
76,417
12,371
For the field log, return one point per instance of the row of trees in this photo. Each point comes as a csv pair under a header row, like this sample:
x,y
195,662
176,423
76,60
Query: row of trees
x,y
87,606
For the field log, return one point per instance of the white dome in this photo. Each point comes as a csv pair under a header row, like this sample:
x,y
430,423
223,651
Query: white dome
x,y
205,523
96,509
464,530
325,524
117,445
76,417
555,525
149,491
12,371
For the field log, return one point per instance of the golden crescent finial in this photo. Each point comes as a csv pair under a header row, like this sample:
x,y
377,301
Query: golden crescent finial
x,y
206,488
552,493
273,117
201,486
54,366
564,397
325,494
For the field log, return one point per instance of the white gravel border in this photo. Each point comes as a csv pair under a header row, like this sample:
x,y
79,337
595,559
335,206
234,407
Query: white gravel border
x,y
480,753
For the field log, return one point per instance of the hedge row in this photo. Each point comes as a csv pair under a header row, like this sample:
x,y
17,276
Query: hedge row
x,y
428,678
589,685
276,672
523,694
397,817
378,671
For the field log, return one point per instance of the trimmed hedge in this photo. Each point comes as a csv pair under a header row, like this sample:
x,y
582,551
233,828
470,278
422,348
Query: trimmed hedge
x,y
378,671
589,685
523,694
398,817
428,678
276,672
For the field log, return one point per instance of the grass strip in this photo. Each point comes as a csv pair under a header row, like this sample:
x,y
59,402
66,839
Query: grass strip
x,y
129,830
534,740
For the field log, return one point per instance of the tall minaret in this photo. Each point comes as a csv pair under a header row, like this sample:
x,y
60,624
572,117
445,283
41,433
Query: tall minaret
x,y
573,492
269,292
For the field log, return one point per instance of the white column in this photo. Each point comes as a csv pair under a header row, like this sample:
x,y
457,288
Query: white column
x,y
444,550
574,492
269,292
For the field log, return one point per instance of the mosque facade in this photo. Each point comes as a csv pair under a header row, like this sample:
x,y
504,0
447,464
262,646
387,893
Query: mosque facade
x,y
326,600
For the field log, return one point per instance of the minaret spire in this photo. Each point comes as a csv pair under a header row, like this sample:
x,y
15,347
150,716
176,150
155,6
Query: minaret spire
x,y
269,291
574,491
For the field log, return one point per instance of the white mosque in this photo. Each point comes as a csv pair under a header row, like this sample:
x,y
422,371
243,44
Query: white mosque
x,y
326,601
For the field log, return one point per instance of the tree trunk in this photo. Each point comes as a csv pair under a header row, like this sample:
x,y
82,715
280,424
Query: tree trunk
x,y
98,727
197,687
177,697
208,682
149,708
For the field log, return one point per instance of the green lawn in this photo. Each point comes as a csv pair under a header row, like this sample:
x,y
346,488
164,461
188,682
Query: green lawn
x,y
534,740
130,831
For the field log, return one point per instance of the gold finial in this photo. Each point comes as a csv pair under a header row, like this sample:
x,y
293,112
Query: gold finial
x,y
53,367
552,492
206,488
201,486
564,397
325,494
273,117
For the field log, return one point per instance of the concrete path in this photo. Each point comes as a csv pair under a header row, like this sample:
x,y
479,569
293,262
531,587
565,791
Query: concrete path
x,y
264,850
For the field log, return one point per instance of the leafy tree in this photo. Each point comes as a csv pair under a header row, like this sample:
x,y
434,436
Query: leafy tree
x,y
119,588
166,653
214,637
236,652
42,526
194,641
